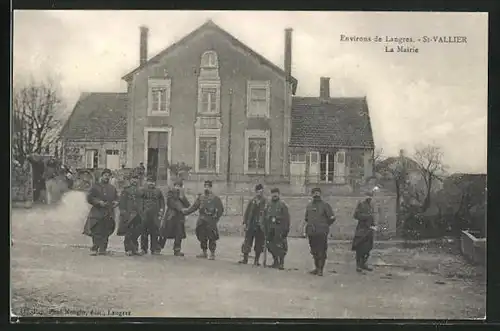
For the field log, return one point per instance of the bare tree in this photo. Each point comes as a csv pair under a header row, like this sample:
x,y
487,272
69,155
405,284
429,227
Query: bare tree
x,y
429,159
37,109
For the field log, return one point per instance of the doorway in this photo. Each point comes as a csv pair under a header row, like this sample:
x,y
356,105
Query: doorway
x,y
157,154
326,167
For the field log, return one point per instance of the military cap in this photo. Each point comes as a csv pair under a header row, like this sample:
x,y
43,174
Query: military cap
x,y
178,182
208,183
275,190
259,187
106,171
316,189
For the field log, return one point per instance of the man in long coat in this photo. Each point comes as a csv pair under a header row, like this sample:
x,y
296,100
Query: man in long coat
x,y
319,217
173,226
130,223
277,226
210,211
362,242
153,207
100,222
253,222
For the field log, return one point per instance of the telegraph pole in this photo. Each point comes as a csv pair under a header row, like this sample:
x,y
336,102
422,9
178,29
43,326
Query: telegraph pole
x,y
229,139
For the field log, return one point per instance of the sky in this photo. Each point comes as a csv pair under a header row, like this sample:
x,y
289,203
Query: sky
x,y
436,96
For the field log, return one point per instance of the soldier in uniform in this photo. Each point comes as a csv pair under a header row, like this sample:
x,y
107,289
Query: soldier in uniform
x,y
319,216
130,224
210,211
100,222
277,226
173,224
362,242
253,222
153,207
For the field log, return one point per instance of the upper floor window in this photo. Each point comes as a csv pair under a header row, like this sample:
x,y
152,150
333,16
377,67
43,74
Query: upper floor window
x,y
258,99
159,91
209,60
208,98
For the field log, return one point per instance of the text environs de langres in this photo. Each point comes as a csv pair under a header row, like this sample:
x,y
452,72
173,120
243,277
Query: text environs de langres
x,y
404,44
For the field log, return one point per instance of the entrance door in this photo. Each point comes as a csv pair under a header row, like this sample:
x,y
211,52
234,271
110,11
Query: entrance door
x,y
157,162
326,167
298,171
340,167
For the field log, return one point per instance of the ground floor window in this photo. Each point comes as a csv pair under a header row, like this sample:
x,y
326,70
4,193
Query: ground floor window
x,y
326,167
257,147
112,159
91,158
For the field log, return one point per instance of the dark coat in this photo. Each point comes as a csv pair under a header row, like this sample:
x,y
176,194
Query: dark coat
x,y
101,220
319,216
130,210
363,236
152,205
277,218
253,218
210,209
172,225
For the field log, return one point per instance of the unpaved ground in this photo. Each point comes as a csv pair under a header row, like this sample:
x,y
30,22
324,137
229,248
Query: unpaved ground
x,y
52,273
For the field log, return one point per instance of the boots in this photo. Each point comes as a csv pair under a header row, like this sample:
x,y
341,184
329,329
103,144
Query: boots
x,y
364,266
203,255
178,253
321,265
281,264
256,260
275,262
359,262
212,256
244,260
316,268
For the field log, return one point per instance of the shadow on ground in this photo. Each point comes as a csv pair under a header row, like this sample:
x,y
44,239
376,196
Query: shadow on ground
x,y
53,274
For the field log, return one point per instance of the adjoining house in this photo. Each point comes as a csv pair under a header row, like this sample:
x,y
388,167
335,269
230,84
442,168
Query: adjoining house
x,y
331,140
215,104
95,134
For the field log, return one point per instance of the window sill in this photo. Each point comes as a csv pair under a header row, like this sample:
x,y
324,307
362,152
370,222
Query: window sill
x,y
158,114
216,114
258,116
206,172
256,173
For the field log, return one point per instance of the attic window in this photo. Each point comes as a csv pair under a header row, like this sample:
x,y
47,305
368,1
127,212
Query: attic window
x,y
209,60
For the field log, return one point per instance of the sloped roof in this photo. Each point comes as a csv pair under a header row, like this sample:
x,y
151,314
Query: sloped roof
x,y
386,163
98,117
339,122
209,24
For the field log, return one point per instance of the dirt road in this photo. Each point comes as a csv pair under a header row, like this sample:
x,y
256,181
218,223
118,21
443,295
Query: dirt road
x,y
52,273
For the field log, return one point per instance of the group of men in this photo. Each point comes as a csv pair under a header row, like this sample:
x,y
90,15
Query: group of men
x,y
146,214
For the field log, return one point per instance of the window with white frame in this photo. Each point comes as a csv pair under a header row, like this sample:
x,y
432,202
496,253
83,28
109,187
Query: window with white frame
x,y
298,157
207,151
257,148
159,97
91,158
209,60
258,99
208,98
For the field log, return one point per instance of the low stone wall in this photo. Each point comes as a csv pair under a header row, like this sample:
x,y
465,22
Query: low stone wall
x,y
474,249
343,207
22,185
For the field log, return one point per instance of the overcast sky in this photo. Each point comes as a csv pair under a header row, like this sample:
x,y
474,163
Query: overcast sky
x,y
436,96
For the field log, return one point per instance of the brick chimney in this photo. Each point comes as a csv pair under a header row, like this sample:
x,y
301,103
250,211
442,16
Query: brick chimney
x,y
288,52
143,48
324,88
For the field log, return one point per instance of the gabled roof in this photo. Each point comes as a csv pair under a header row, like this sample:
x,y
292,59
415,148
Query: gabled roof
x,y
211,25
411,164
98,117
333,122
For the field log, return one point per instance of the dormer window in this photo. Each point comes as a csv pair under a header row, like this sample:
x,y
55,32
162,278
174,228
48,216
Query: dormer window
x,y
209,60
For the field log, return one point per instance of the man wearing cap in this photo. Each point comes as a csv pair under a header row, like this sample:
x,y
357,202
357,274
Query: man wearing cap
x,y
211,210
277,226
153,207
100,222
253,221
172,226
319,216
362,242
129,225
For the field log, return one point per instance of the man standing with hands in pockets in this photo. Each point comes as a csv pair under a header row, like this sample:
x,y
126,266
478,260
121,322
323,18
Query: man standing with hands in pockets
x,y
319,216
362,242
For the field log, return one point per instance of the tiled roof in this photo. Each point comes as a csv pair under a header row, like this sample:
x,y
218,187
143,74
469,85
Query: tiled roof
x,y
334,122
209,24
98,117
